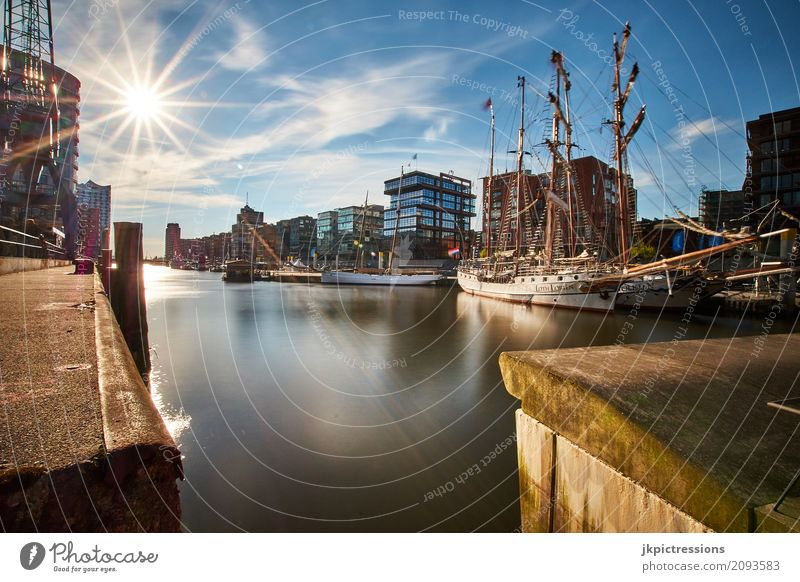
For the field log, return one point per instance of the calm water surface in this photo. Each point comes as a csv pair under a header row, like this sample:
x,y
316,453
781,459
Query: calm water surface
x,y
316,408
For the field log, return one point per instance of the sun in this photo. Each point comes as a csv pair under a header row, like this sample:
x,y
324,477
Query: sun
x,y
143,104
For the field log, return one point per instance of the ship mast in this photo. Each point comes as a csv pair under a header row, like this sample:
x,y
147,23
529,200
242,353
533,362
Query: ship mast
x,y
397,219
568,155
361,234
621,142
554,202
550,211
487,197
520,154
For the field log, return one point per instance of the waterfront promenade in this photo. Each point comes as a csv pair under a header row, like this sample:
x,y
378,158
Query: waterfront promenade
x,y
83,447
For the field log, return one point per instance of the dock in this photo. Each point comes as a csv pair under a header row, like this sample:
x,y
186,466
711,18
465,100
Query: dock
x,y
754,302
84,448
283,276
316,277
679,436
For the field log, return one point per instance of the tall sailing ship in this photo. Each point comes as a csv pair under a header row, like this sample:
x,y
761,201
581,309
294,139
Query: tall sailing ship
x,y
554,270
571,273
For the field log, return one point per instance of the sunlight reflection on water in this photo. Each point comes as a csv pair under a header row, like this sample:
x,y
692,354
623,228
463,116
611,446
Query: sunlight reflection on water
x,y
176,420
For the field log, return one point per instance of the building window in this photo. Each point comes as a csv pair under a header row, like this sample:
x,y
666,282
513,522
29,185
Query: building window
x,y
792,198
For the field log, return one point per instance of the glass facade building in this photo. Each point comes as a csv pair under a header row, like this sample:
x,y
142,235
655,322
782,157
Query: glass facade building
x,y
434,212
327,232
339,231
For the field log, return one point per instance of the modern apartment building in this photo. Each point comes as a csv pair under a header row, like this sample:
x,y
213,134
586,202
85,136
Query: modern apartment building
x,y
302,238
430,213
327,234
722,209
172,241
94,197
595,210
243,239
773,171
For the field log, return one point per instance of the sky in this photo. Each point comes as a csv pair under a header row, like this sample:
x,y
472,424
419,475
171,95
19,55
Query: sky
x,y
190,108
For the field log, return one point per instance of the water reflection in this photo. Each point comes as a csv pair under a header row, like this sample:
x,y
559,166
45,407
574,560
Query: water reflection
x,y
175,419
317,408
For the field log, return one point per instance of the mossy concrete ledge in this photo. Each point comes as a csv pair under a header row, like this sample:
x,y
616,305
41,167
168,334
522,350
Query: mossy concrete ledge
x,y
674,436
83,447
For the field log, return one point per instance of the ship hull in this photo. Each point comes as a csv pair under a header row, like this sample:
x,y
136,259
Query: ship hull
x,y
562,291
654,293
348,278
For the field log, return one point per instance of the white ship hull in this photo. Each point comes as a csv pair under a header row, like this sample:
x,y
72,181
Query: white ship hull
x,y
562,291
350,278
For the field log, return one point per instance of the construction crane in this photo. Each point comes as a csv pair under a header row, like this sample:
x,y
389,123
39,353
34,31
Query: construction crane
x,y
29,113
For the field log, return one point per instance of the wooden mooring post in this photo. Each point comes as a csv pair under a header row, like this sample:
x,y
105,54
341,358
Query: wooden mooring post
x,y
127,292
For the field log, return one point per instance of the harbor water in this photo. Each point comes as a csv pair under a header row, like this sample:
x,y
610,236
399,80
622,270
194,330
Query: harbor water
x,y
304,407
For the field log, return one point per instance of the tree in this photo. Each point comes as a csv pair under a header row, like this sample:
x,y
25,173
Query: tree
x,y
643,251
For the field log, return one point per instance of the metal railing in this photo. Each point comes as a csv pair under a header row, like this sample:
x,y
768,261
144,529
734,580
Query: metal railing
x,y
48,248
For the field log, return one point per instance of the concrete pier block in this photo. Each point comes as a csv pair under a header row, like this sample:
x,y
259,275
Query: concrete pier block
x,y
535,473
676,436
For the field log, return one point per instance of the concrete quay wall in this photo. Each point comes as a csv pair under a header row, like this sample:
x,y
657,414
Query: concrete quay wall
x,y
565,489
83,447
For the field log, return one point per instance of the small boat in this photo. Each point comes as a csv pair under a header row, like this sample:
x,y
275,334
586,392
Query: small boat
x,y
667,291
238,270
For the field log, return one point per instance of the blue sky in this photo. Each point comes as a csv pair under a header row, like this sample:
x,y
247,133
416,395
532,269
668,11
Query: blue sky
x,y
306,106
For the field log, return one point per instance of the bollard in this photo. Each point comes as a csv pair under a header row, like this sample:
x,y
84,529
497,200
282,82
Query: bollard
x,y
83,266
107,260
127,292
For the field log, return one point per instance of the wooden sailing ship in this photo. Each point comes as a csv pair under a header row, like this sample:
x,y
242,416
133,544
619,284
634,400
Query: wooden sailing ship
x,y
569,273
554,273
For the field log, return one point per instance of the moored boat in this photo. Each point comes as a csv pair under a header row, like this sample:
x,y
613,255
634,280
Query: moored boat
x,y
356,278
564,290
558,273
390,277
238,270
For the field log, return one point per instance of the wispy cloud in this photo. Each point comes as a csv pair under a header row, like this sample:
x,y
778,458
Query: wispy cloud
x,y
437,130
247,50
711,128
